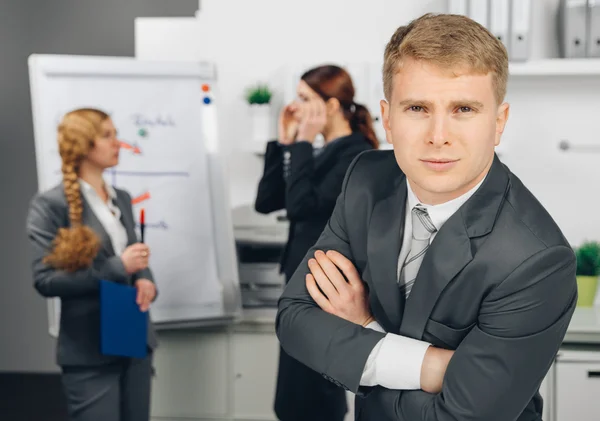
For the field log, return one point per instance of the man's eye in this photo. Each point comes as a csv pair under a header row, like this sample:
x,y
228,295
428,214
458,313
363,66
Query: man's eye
x,y
416,108
464,109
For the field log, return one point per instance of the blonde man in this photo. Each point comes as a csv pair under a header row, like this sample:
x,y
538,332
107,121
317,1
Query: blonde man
x,y
471,283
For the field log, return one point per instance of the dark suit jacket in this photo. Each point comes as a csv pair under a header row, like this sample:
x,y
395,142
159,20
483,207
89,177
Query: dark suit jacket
x,y
308,195
79,336
310,192
497,285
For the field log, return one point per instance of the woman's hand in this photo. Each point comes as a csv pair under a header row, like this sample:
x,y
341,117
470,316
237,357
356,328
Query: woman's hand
x,y
289,121
146,291
135,257
313,119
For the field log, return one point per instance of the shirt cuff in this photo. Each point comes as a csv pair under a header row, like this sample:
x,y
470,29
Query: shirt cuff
x,y
375,326
399,361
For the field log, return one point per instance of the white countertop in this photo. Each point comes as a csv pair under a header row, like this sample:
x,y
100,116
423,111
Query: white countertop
x,y
584,327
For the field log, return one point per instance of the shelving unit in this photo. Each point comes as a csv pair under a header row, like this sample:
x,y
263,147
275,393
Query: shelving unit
x,y
556,67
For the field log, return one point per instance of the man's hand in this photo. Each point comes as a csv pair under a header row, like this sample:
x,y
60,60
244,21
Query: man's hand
x,y
146,291
434,368
345,299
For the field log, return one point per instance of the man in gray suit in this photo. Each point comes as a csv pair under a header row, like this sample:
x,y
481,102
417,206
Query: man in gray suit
x,y
471,283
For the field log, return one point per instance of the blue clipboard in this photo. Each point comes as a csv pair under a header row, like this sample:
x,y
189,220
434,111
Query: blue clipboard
x,y
123,327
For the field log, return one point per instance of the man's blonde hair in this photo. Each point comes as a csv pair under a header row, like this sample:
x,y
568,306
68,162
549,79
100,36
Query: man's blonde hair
x,y
452,42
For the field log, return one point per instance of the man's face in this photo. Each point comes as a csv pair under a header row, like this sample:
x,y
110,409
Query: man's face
x,y
444,126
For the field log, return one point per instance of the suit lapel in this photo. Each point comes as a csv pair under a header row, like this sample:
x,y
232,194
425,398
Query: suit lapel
x,y
127,219
450,250
383,248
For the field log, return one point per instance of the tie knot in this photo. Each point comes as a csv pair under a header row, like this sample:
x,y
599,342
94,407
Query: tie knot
x,y
422,227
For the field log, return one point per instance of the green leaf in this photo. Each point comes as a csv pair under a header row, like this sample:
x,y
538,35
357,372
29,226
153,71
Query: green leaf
x,y
259,94
588,259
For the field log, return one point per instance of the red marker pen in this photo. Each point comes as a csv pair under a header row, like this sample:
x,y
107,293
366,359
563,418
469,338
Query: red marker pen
x,y
142,223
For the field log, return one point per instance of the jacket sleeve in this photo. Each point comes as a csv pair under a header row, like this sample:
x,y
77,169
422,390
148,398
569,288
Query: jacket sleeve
x,y
331,346
43,221
270,196
501,363
305,195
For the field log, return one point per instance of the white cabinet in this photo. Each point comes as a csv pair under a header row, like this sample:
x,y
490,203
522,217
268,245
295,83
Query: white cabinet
x,y
219,374
546,392
255,359
578,386
192,376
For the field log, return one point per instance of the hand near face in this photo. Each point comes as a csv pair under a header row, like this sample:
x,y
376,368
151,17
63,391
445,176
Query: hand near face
x,y
313,119
289,122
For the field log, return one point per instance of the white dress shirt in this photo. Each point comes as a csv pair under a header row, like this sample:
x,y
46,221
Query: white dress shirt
x,y
395,362
108,214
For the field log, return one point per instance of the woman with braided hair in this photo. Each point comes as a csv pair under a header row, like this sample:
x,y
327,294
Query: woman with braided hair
x,y
83,231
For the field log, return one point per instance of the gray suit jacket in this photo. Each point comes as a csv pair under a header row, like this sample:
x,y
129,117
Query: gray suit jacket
x,y
497,285
79,337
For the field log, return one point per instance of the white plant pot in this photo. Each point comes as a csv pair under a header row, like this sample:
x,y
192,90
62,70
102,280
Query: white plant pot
x,y
261,122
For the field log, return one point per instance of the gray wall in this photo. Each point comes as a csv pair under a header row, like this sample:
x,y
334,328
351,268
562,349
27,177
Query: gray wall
x,y
88,27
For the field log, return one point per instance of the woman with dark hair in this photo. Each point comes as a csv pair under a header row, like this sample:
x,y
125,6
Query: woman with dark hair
x,y
306,181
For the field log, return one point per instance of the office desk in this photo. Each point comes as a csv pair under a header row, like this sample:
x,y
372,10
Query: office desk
x,y
584,327
228,373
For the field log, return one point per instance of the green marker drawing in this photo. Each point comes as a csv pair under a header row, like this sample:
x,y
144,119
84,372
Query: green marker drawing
x,y
142,132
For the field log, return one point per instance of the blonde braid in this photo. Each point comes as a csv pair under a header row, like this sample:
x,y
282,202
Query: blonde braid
x,y
76,247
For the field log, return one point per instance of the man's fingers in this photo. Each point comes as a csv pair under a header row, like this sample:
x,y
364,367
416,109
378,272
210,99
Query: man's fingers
x,y
347,267
322,279
317,295
331,271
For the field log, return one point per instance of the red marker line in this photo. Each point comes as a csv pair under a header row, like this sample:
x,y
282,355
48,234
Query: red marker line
x,y
140,199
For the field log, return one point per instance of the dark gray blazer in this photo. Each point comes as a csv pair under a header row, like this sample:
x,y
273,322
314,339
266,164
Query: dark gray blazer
x,y
79,337
497,285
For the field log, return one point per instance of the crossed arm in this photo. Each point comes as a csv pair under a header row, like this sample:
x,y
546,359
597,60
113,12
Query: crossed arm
x,y
492,375
327,285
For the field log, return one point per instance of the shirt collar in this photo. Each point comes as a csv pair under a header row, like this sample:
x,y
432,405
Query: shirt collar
x,y
88,189
439,214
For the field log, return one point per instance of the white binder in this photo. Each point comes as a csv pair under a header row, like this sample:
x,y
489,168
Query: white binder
x,y
593,39
520,29
457,7
479,11
499,20
572,28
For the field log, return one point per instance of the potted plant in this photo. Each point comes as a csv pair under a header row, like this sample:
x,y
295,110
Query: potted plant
x,y
259,102
588,269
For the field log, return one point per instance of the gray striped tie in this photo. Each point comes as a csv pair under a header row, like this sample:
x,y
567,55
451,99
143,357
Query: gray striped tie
x,y
422,229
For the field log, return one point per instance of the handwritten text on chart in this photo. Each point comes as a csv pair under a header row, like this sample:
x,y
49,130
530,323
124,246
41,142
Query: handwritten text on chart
x,y
159,225
154,121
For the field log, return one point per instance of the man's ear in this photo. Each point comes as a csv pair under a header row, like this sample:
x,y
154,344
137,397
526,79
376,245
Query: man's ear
x,y
385,119
501,119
